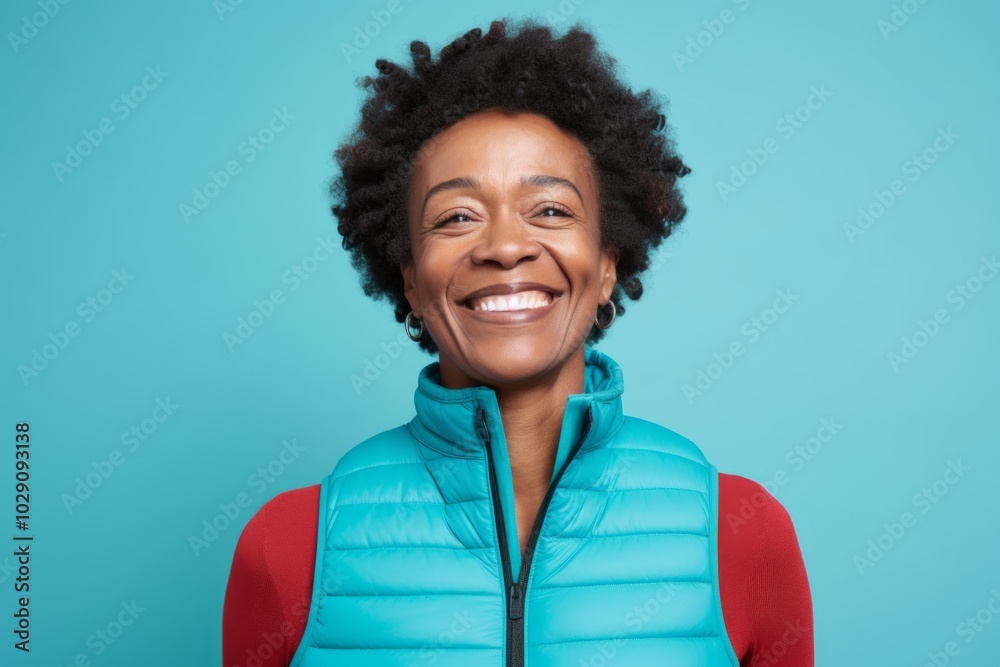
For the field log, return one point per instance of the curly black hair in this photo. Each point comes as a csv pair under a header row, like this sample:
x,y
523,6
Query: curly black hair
x,y
518,66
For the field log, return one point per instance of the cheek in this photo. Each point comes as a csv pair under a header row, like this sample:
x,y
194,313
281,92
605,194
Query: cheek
x,y
436,277
582,264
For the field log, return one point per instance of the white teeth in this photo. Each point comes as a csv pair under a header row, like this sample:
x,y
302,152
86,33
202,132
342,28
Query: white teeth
x,y
519,301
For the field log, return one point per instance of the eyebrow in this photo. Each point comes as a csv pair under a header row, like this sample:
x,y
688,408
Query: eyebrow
x,y
540,180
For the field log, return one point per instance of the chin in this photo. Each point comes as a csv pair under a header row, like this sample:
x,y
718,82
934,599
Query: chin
x,y
513,359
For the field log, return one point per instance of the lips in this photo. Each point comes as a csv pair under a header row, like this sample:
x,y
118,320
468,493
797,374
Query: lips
x,y
511,296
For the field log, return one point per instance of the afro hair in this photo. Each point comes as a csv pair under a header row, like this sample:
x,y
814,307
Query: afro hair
x,y
518,66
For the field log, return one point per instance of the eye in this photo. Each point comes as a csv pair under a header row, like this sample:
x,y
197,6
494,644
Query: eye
x,y
453,216
559,211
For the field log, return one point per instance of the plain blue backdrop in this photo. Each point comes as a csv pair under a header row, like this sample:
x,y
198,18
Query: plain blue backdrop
x,y
844,173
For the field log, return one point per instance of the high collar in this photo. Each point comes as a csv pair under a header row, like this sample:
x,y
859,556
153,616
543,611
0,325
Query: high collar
x,y
448,421
446,418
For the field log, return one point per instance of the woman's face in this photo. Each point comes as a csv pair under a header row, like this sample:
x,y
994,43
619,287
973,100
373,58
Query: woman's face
x,y
507,270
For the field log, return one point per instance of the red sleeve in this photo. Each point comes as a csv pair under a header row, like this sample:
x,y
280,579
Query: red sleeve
x,y
765,594
270,583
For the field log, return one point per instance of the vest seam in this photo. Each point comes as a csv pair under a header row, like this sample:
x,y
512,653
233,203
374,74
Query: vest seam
x,y
407,546
413,502
660,451
700,492
620,638
605,537
414,595
377,465
713,551
404,647
626,583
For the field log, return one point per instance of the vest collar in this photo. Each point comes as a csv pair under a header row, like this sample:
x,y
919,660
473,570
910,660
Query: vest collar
x,y
448,421
446,418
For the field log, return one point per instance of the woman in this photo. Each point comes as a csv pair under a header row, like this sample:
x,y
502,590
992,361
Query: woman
x,y
505,198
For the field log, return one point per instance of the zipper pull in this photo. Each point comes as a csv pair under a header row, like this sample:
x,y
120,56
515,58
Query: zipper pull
x,y
515,602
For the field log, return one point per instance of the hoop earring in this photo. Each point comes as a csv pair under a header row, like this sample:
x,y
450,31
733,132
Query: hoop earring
x,y
614,314
408,325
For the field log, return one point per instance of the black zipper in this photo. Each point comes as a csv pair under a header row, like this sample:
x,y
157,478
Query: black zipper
x,y
516,590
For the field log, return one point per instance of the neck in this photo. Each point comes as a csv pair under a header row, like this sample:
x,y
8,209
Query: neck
x,y
532,415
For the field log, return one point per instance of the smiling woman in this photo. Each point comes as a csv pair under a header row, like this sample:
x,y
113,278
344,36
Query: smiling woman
x,y
507,268
505,198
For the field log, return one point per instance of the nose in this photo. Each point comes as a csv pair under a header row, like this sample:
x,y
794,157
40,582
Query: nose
x,y
506,240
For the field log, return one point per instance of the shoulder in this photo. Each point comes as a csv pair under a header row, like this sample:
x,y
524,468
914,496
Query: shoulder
x,y
756,533
746,507
281,507
641,433
394,445
282,520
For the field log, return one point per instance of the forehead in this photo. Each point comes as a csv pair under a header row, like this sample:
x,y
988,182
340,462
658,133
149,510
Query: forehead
x,y
497,144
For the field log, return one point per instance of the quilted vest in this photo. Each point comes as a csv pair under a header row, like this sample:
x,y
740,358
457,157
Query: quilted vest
x,y
418,561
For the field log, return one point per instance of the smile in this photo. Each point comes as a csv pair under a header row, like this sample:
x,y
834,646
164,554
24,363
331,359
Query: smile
x,y
511,302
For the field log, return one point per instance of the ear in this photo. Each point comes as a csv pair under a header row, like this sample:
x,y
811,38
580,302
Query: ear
x,y
609,273
409,288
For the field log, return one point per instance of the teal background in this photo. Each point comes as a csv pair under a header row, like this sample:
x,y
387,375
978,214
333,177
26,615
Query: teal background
x,y
161,337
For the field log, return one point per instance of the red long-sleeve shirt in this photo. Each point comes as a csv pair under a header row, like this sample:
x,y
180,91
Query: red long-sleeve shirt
x,y
766,603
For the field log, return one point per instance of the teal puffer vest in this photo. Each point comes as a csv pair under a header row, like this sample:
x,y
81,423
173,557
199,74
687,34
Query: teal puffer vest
x,y
418,563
